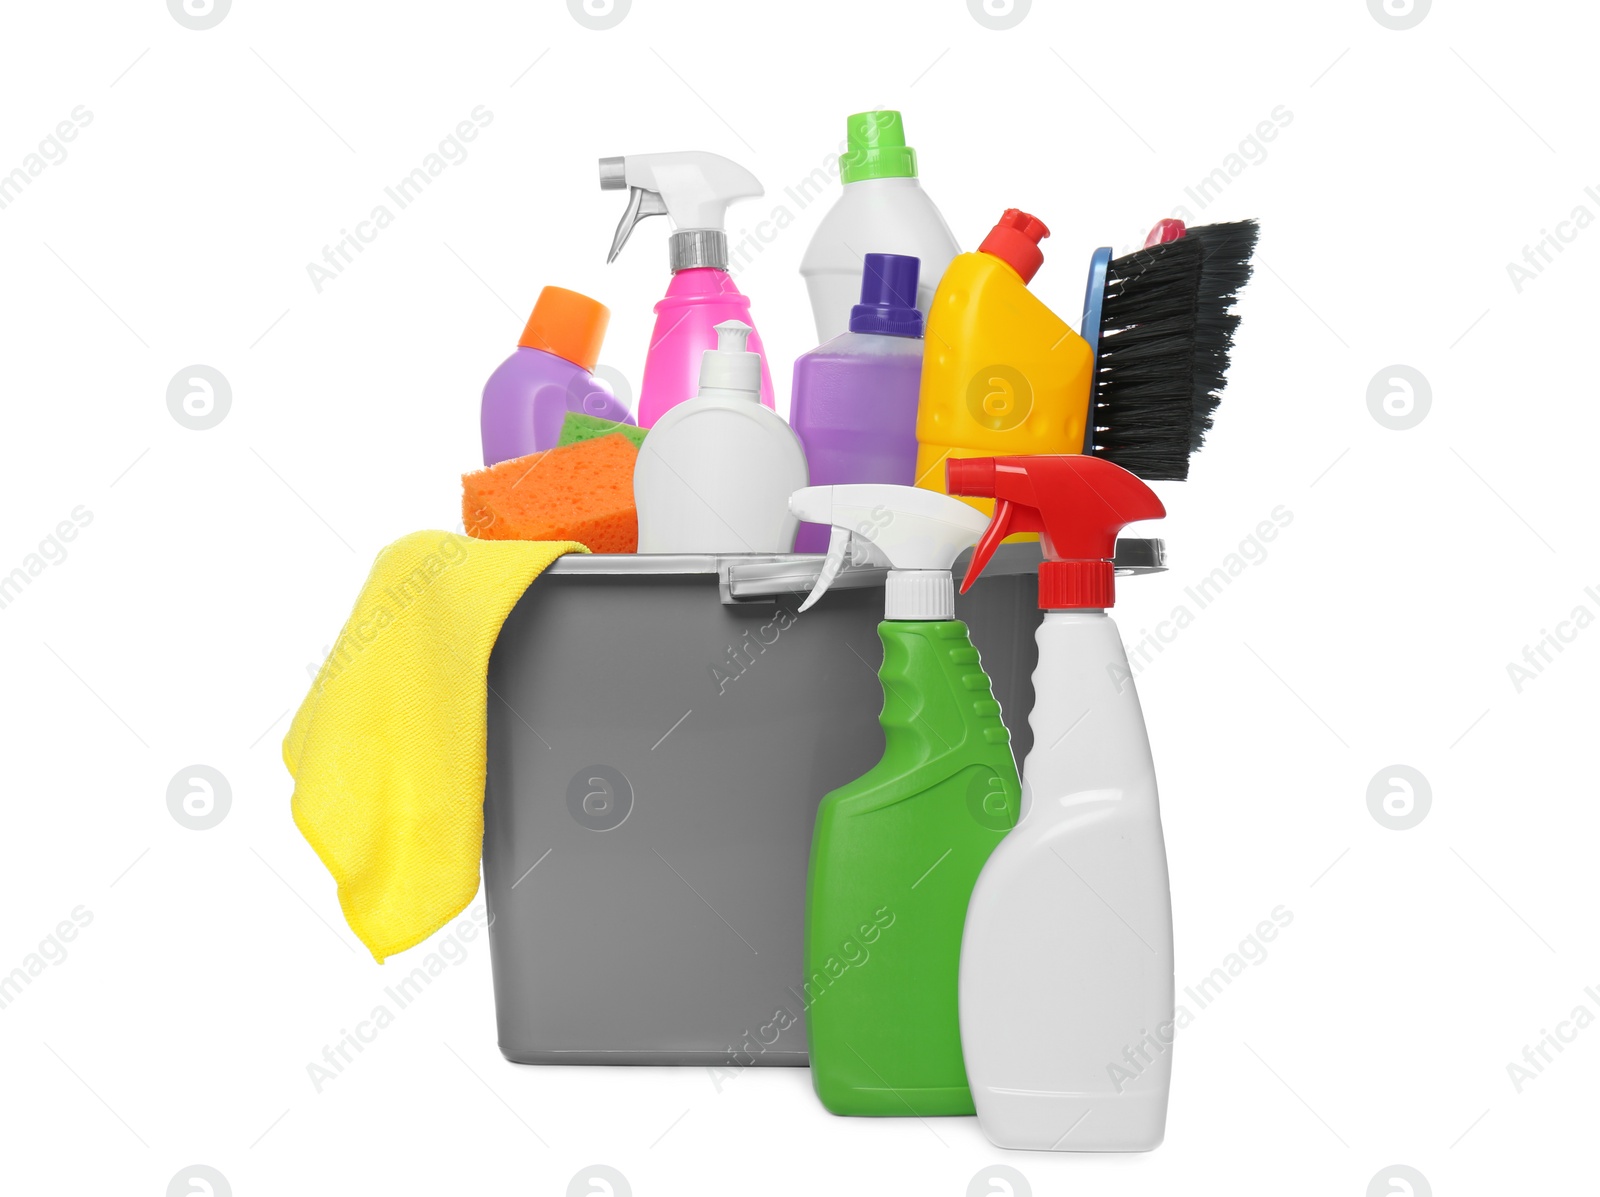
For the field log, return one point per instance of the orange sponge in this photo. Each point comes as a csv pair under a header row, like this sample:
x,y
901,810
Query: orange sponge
x,y
581,492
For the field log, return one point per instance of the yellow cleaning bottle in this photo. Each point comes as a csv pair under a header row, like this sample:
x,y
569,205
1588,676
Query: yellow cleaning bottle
x,y
1001,372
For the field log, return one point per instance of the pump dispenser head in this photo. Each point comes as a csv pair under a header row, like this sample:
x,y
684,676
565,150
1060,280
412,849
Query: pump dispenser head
x,y
1077,504
730,371
692,188
918,533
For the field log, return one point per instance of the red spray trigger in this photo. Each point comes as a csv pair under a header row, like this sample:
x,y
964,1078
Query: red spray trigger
x,y
1077,504
1009,519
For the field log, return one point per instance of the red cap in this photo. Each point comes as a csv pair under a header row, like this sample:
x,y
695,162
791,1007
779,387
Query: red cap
x,y
1166,230
1078,505
1015,241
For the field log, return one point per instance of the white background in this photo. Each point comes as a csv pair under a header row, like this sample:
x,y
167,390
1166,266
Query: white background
x,y
219,564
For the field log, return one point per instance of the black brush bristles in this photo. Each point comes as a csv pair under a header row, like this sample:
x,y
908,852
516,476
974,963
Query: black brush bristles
x,y
1166,329
1226,250
1144,373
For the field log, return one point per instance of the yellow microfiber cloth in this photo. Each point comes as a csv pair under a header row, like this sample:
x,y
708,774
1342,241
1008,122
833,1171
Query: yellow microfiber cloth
x,y
388,749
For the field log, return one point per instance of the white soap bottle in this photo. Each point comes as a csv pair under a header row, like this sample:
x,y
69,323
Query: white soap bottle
x,y
716,472
1066,982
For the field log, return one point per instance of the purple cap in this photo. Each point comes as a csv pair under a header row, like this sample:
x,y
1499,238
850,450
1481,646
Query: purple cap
x,y
888,297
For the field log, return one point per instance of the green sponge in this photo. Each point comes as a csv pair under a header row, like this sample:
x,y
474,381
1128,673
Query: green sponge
x,y
579,427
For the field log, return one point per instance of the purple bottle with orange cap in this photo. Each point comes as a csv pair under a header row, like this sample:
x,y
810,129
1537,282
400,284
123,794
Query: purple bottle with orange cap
x,y
550,373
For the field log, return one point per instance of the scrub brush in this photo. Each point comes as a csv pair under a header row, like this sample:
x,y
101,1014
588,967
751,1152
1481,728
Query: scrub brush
x,y
1160,322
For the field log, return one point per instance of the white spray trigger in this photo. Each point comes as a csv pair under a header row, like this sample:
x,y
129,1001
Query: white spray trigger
x,y
838,546
843,547
692,188
917,533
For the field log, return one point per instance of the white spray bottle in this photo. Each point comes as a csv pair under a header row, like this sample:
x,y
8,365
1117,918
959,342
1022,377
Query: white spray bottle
x,y
693,189
1066,962
716,471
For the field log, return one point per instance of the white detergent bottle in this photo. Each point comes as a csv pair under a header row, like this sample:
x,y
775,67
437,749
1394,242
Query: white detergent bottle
x,y
883,210
716,472
1066,985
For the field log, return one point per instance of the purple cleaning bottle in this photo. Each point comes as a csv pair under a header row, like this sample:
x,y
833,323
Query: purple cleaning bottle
x,y
854,401
549,374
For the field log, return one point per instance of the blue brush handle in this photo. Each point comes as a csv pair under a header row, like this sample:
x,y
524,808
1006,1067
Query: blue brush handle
x,y
1094,297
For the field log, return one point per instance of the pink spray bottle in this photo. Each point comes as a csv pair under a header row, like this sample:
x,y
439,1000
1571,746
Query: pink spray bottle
x,y
694,190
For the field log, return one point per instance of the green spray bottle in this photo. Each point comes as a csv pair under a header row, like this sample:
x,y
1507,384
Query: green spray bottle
x,y
895,853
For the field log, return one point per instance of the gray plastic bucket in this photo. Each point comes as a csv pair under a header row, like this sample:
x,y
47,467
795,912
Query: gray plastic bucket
x,y
661,729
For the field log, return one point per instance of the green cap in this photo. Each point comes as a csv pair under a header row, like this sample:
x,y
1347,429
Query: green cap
x,y
878,148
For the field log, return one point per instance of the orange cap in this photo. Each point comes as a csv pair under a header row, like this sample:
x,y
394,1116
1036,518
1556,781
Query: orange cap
x,y
568,325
